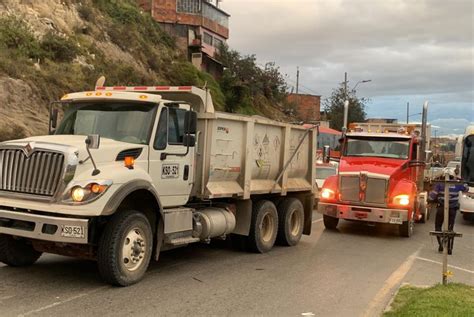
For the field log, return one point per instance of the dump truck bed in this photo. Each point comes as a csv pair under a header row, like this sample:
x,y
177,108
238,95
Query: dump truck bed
x,y
239,156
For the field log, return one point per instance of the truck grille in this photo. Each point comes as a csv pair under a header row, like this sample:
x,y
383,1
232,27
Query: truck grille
x,y
37,174
363,189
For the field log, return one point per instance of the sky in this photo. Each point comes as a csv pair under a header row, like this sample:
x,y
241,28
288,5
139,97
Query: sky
x,y
411,50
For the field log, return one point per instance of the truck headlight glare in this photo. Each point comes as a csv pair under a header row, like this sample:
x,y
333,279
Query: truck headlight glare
x,y
86,192
78,193
402,200
326,193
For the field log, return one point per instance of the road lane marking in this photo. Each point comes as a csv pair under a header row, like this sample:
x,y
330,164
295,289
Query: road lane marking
x,y
440,263
70,299
317,220
376,306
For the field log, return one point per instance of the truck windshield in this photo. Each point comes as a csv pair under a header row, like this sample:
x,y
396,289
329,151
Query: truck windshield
x,y
467,160
379,147
125,122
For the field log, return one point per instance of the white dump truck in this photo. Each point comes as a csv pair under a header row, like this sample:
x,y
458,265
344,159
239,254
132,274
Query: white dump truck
x,y
132,171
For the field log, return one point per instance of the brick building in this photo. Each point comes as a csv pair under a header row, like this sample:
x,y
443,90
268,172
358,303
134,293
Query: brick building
x,y
199,26
307,106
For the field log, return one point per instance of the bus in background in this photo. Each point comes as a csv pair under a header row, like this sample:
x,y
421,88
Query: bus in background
x,y
466,199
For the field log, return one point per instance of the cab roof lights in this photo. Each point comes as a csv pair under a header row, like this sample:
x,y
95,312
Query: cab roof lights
x,y
115,95
145,88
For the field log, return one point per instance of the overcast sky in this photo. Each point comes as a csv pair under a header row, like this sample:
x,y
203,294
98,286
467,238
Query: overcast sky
x,y
412,50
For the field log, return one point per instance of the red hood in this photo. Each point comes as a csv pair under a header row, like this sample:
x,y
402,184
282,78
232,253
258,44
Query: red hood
x,y
376,165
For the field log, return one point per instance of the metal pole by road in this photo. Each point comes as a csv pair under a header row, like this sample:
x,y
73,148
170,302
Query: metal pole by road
x,y
408,111
445,228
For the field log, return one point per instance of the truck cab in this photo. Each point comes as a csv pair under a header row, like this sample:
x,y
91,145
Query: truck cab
x,y
378,181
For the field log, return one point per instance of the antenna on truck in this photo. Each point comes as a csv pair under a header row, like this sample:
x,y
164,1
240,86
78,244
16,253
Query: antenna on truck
x,y
100,81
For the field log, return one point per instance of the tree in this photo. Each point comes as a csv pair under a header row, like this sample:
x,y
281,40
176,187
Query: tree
x,y
243,80
334,107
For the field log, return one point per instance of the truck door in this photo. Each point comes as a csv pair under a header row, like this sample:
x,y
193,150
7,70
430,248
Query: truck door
x,y
171,164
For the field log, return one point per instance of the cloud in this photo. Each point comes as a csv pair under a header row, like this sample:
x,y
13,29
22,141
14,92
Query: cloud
x,y
410,50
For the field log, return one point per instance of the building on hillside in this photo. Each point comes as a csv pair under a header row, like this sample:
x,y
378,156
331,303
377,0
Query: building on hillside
x,y
199,26
381,120
307,107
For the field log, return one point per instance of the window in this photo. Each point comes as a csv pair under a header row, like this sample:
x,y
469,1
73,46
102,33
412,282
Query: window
x,y
161,133
188,6
170,128
218,43
207,38
176,126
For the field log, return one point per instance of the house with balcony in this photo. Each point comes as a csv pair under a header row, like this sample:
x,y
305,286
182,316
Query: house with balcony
x,y
199,26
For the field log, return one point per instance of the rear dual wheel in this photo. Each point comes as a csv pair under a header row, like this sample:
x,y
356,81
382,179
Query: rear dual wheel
x,y
291,221
263,227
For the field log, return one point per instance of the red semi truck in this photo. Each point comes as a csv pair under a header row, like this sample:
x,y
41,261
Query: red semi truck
x,y
380,178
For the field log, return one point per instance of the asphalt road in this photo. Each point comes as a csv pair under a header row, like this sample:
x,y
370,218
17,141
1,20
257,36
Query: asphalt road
x,y
349,272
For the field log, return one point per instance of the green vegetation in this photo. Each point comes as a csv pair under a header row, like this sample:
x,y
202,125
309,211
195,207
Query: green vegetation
x,y
243,81
450,300
56,63
334,107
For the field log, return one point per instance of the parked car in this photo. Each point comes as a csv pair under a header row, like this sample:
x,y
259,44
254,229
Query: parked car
x,y
323,171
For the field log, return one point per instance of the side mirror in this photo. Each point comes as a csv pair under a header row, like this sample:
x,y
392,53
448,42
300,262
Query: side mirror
x,y
189,140
54,118
326,153
190,122
93,141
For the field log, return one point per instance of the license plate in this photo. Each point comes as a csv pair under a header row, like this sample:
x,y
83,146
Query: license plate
x,y
72,231
397,221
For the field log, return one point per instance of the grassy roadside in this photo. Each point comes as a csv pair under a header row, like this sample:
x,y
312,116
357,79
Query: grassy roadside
x,y
451,300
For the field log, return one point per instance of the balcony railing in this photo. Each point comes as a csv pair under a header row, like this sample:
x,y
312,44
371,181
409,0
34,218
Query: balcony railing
x,y
207,10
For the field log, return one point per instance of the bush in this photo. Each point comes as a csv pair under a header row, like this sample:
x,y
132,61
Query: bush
x,y
16,35
58,48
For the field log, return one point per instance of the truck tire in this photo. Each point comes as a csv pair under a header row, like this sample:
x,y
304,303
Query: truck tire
x,y
330,222
469,217
263,228
125,248
406,228
290,221
424,211
17,252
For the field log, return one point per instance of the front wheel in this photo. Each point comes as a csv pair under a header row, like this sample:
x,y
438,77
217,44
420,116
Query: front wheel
x,y
17,252
125,248
330,222
406,228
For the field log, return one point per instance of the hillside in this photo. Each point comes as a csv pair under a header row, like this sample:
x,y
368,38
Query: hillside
x,y
51,47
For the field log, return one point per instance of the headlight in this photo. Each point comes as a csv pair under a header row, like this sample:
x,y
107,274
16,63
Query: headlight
x,y
402,200
83,193
326,193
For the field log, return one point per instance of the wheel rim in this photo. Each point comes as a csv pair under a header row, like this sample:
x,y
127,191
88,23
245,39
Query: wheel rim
x,y
267,227
295,223
133,250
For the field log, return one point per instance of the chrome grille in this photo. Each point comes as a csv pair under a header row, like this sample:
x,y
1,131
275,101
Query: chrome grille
x,y
37,174
352,189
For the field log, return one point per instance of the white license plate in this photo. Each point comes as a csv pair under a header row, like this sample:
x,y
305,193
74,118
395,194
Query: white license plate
x,y
397,221
72,231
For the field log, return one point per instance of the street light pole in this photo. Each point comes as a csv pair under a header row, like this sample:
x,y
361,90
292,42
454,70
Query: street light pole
x,y
346,96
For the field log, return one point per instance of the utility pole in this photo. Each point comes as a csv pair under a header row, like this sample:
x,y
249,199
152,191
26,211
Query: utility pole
x,y
297,87
346,104
408,111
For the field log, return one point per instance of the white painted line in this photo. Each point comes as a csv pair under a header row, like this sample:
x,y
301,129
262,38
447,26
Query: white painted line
x,y
317,220
451,266
70,299
377,304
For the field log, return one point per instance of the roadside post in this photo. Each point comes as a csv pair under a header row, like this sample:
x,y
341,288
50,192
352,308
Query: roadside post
x,y
446,234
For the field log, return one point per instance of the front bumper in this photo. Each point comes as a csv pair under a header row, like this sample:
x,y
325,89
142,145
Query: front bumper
x,y
466,204
47,228
363,213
